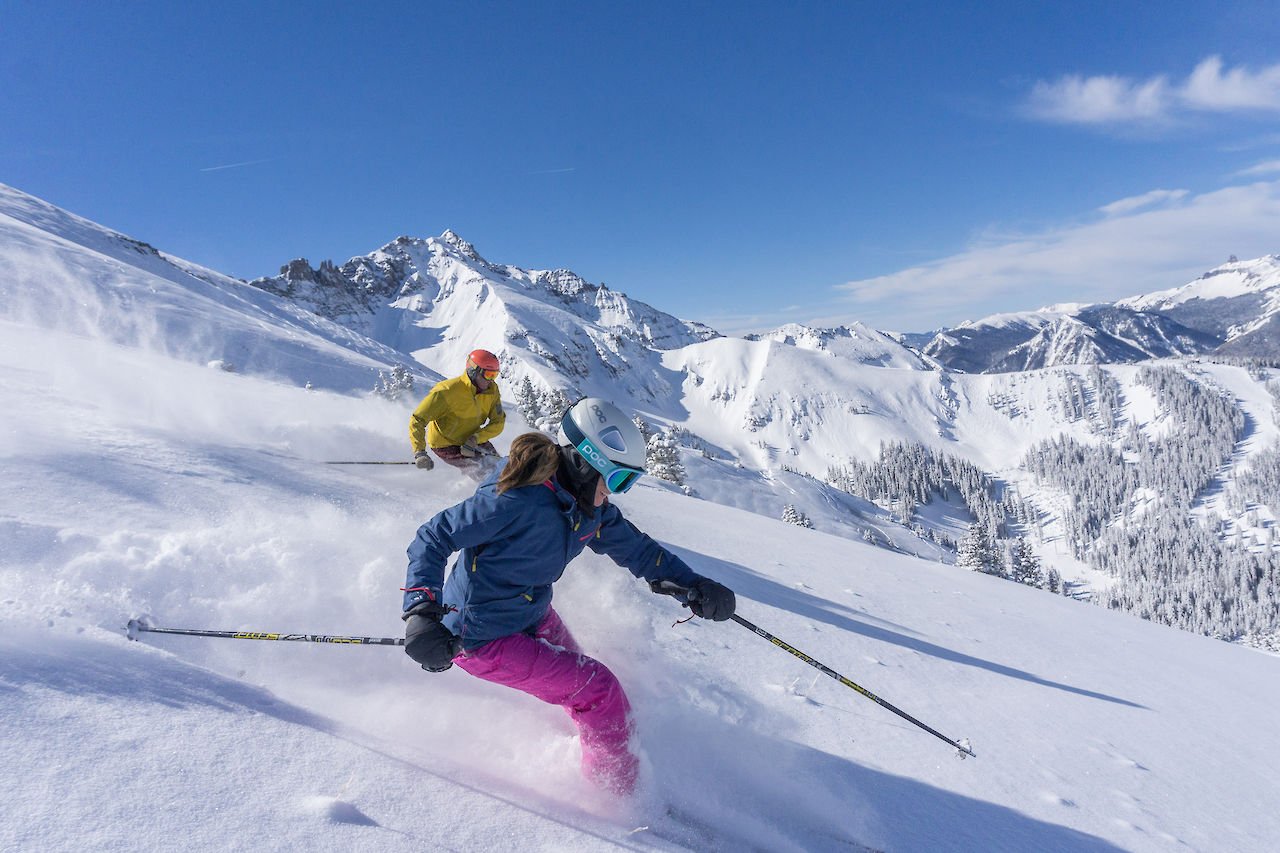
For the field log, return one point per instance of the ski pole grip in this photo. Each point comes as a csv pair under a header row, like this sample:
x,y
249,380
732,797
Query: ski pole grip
x,y
683,594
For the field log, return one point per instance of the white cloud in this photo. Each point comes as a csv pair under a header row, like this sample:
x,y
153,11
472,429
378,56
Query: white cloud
x,y
1074,99
236,165
1267,167
1143,244
1209,89
1152,199
1099,100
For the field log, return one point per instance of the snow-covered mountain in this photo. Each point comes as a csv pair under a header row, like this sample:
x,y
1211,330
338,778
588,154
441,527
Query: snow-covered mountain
x,y
137,480
437,299
1238,301
1230,310
1095,334
856,342
1103,334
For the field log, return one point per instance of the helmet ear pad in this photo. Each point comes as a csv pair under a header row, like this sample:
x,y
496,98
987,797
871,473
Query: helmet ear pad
x,y
577,476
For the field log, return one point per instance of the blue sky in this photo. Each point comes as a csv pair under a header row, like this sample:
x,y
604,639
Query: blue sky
x,y
909,165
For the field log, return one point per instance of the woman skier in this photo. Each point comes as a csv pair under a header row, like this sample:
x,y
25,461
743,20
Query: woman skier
x,y
493,615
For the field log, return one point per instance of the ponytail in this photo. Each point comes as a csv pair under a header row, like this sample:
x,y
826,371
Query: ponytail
x,y
533,458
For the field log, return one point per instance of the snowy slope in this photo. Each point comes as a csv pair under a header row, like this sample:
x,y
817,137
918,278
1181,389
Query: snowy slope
x,y
63,272
197,496
60,271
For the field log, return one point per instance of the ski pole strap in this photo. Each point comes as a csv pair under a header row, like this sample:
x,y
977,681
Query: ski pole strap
x,y
137,626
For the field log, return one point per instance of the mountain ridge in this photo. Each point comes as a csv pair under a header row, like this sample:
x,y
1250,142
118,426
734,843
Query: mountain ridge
x,y
1228,311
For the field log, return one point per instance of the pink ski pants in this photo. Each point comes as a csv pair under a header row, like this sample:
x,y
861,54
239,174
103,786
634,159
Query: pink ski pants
x,y
552,667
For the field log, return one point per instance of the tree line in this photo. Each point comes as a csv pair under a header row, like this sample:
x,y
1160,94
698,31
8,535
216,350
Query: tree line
x,y
1130,514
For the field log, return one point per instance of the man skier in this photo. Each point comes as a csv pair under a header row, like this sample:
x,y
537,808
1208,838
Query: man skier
x,y
493,615
459,417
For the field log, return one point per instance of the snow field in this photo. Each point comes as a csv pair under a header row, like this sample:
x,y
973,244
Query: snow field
x,y
138,480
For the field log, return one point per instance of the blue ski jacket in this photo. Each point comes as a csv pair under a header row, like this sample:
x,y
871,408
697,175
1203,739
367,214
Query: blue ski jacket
x,y
514,546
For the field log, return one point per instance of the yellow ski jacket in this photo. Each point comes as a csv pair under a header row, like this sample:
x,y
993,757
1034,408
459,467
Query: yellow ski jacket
x,y
454,411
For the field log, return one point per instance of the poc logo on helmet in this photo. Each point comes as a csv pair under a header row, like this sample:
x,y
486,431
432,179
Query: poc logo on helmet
x,y
600,415
597,458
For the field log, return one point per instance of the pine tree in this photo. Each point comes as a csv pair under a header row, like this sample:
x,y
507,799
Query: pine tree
x,y
554,404
396,385
971,549
1052,580
646,431
979,553
662,459
1024,565
793,516
527,403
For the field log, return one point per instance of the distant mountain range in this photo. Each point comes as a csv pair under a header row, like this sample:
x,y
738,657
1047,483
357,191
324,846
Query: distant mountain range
x,y
1231,310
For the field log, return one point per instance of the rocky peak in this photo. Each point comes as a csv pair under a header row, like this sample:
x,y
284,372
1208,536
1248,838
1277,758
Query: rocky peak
x,y
462,247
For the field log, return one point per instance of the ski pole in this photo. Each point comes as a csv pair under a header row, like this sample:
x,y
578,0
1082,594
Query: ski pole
x,y
480,452
140,624
369,463
686,595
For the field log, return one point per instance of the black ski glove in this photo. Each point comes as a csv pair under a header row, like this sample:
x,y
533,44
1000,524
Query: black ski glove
x,y
427,641
711,600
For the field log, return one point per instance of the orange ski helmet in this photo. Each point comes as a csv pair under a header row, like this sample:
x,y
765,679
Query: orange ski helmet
x,y
481,362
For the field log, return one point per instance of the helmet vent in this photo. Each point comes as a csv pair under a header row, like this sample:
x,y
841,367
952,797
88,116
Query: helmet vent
x,y
611,437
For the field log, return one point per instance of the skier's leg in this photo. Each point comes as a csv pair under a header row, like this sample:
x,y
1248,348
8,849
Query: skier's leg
x,y
473,466
554,631
582,685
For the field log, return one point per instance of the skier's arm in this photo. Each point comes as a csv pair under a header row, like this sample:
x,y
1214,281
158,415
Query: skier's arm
x,y
497,420
431,408
626,545
473,522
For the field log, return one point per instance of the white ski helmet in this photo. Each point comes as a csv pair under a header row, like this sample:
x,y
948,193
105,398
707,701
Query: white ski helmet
x,y
602,437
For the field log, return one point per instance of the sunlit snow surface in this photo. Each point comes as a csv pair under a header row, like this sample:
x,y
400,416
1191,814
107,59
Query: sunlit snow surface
x,y
139,477
137,483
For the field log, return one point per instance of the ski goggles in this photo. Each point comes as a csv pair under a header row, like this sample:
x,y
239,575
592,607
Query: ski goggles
x,y
617,478
485,372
